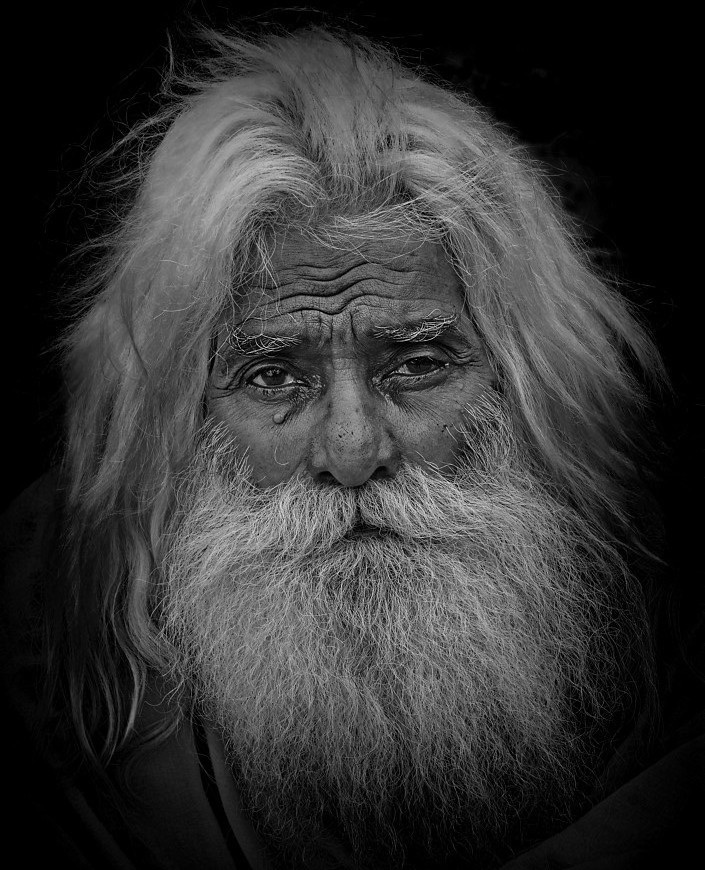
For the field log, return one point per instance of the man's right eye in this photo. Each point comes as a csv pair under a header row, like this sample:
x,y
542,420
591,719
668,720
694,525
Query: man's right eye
x,y
271,377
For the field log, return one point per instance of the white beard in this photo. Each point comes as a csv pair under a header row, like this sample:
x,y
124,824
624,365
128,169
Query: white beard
x,y
423,690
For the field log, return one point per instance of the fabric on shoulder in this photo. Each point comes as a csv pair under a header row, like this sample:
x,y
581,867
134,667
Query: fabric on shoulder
x,y
648,822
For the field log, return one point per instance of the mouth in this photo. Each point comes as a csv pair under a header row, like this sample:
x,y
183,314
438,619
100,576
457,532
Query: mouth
x,y
364,530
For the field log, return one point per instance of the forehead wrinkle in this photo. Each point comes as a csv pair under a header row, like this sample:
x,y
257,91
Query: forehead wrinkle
x,y
296,305
314,269
330,306
333,272
328,287
295,308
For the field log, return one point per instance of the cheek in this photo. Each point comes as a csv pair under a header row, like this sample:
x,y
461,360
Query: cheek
x,y
273,461
430,429
431,440
272,453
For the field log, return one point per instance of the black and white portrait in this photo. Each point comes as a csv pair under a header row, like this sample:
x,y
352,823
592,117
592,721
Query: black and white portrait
x,y
352,495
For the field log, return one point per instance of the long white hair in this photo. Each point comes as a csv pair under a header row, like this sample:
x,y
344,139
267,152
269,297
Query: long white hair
x,y
328,133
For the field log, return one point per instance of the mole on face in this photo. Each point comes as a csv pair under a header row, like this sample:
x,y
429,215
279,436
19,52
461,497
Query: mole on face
x,y
351,363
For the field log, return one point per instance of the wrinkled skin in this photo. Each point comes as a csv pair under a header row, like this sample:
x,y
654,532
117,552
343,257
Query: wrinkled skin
x,y
347,403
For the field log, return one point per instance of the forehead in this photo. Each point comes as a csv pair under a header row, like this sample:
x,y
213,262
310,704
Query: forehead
x,y
308,280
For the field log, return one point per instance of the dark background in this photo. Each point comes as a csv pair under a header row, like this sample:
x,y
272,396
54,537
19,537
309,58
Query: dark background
x,y
603,102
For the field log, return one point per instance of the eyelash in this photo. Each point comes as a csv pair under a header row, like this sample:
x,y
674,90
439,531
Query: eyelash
x,y
273,391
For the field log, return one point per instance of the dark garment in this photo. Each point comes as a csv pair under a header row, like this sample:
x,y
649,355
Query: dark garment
x,y
184,811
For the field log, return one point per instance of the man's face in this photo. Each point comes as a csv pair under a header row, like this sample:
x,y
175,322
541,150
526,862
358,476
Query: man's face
x,y
437,683
365,360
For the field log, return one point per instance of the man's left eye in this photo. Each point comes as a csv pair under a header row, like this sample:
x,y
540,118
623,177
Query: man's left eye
x,y
420,365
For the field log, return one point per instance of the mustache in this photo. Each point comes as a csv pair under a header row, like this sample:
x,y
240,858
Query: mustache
x,y
421,503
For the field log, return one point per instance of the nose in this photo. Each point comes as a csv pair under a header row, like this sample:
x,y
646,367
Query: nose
x,y
353,445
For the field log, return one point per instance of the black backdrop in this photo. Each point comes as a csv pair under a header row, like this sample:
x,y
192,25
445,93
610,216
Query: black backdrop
x,y
600,100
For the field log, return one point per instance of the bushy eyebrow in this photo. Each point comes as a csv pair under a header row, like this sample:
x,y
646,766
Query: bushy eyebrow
x,y
428,329
242,343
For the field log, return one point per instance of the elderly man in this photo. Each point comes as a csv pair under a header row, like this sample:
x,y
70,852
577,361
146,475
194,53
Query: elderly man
x,y
349,560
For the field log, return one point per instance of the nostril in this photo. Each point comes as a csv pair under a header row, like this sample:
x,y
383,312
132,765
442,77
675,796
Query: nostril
x,y
325,477
381,473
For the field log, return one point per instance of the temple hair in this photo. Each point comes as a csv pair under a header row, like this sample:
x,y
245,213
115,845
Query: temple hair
x,y
326,133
